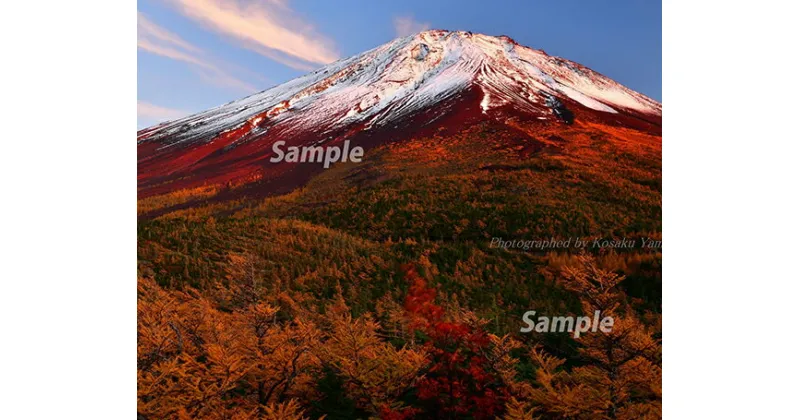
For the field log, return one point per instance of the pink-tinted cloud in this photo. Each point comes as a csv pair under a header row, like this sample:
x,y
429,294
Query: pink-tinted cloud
x,y
269,28
406,25
151,30
156,40
148,111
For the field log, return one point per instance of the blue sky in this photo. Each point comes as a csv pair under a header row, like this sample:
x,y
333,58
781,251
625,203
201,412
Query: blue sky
x,y
197,54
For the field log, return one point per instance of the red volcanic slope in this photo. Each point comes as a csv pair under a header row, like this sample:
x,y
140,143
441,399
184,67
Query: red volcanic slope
x,y
429,80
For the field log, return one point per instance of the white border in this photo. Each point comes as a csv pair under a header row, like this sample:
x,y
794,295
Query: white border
x,y
68,165
731,191
68,173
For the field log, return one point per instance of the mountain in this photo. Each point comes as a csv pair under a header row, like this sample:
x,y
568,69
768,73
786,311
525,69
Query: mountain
x,y
412,86
495,180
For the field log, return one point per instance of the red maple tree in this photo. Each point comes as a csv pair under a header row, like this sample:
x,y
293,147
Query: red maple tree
x,y
459,382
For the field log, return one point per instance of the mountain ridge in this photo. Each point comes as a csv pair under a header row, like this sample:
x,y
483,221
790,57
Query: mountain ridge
x,y
428,78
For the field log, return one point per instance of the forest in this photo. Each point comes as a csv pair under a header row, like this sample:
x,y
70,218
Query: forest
x,y
375,292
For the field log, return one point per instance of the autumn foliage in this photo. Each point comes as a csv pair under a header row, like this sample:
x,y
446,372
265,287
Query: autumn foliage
x,y
372,292
200,358
459,381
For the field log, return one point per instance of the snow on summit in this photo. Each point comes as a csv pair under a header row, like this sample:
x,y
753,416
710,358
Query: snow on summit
x,y
407,75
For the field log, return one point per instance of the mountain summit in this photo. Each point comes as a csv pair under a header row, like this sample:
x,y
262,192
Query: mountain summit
x,y
432,79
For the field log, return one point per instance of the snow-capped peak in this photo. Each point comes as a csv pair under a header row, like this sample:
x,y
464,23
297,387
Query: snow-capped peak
x,y
406,75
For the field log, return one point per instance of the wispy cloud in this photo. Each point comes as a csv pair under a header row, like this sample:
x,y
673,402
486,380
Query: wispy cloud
x,y
156,40
269,28
156,113
406,25
150,30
